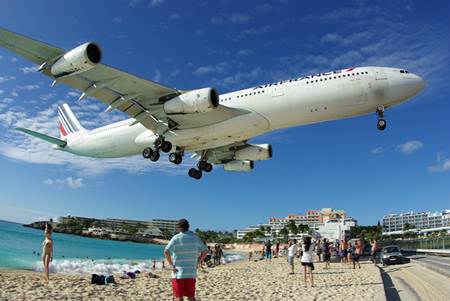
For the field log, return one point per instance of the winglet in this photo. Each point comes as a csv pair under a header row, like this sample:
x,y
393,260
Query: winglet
x,y
52,140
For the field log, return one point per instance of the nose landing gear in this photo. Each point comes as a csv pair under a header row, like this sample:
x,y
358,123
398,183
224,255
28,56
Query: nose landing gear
x,y
381,122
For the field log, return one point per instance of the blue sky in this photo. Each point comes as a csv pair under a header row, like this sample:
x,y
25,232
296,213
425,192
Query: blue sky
x,y
345,164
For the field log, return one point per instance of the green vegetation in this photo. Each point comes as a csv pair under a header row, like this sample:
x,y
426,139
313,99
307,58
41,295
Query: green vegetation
x,y
367,232
223,237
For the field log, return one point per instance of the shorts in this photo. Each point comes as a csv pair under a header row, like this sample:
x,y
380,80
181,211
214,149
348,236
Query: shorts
x,y
327,257
355,257
184,287
344,253
291,260
308,264
268,255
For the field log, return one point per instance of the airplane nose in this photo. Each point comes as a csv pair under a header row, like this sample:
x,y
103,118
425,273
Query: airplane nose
x,y
419,83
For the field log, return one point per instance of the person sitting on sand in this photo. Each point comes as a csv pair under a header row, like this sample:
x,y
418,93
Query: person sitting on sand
x,y
47,250
292,251
183,252
307,259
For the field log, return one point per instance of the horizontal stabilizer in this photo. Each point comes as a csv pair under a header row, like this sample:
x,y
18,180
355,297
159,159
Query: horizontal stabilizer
x,y
44,137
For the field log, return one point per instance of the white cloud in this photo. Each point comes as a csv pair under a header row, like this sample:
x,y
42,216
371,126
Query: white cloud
x,y
117,20
29,87
133,3
30,69
155,3
442,164
234,18
409,147
1,91
220,68
6,78
378,150
70,182
331,38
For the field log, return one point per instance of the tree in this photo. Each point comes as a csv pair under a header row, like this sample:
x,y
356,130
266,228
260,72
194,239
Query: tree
x,y
285,233
408,226
292,227
302,228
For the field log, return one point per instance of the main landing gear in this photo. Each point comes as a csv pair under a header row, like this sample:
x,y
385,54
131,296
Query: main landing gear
x,y
202,165
381,122
160,144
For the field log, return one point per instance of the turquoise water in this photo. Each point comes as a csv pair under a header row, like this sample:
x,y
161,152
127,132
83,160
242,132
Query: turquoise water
x,y
76,254
71,253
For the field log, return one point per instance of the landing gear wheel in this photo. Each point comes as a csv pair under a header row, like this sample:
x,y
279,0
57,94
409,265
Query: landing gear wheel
x,y
147,152
166,146
381,124
202,165
208,167
154,156
195,173
158,142
175,158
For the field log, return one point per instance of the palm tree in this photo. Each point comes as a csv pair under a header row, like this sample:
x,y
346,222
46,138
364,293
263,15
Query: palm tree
x,y
292,227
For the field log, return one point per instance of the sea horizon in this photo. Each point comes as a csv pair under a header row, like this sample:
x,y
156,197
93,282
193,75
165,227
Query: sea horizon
x,y
20,249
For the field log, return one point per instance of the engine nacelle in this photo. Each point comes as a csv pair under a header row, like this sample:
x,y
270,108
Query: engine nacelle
x,y
254,152
238,165
77,60
196,101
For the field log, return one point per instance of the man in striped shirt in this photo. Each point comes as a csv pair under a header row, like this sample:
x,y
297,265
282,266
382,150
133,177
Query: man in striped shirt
x,y
184,251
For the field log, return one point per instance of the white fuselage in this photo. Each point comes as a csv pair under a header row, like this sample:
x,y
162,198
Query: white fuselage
x,y
299,101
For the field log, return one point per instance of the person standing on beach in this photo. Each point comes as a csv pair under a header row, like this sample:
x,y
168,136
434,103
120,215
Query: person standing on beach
x,y
268,251
343,251
319,250
356,254
183,252
373,251
326,250
307,259
292,251
47,250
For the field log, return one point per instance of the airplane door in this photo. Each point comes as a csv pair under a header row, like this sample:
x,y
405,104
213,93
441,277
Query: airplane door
x,y
277,91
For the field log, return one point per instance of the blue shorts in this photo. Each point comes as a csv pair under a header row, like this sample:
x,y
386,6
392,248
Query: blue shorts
x,y
268,255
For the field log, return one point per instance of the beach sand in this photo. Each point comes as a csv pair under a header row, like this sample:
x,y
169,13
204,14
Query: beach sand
x,y
241,280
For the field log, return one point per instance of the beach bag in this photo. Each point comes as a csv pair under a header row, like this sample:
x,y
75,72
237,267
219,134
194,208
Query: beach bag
x,y
109,279
98,279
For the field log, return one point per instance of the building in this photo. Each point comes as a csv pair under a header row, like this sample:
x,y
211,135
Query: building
x,y
314,219
416,220
336,229
154,227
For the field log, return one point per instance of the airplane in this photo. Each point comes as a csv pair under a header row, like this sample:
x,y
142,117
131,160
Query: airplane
x,y
214,128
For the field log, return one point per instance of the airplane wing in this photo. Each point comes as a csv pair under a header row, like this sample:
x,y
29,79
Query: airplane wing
x,y
140,98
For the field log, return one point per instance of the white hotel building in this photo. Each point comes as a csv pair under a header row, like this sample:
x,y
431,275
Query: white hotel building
x,y
418,220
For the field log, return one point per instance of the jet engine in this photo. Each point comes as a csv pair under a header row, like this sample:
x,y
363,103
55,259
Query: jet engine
x,y
254,152
77,60
195,101
238,165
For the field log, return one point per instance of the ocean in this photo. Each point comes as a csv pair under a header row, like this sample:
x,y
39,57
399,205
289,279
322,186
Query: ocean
x,y
19,248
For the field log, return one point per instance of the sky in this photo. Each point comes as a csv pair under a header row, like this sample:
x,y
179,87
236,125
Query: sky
x,y
346,164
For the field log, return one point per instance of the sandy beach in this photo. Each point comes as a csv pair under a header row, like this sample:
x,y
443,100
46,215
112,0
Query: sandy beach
x,y
237,281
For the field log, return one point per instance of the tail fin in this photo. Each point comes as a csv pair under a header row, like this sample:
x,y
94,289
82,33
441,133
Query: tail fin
x,y
68,123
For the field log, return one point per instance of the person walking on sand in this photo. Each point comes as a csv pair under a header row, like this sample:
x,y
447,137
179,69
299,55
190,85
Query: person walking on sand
x,y
343,251
319,250
47,250
183,253
307,259
268,251
292,251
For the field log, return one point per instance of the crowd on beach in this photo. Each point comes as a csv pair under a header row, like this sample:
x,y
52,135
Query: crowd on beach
x,y
186,253
346,252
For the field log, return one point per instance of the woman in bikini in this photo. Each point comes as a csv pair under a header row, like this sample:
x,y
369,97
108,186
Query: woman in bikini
x,y
47,250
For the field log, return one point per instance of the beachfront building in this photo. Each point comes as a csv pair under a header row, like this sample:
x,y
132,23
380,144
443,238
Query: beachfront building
x,y
419,221
336,229
314,219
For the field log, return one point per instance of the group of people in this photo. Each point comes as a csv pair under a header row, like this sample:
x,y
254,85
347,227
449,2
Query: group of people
x,y
214,257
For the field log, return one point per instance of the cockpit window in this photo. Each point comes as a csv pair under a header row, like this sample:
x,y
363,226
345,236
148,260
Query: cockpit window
x,y
404,71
